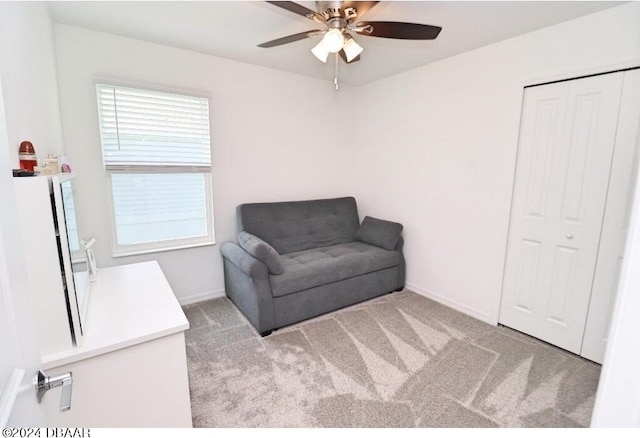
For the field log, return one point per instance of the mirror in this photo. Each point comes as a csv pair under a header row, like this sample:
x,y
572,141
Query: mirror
x,y
79,264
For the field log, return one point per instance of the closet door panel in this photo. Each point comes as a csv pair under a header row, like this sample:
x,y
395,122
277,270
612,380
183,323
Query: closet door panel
x,y
564,158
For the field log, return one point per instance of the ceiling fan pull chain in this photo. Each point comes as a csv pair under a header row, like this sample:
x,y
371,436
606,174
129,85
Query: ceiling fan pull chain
x,y
335,75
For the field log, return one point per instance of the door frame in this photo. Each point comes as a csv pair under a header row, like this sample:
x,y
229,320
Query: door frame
x,y
20,340
11,387
619,376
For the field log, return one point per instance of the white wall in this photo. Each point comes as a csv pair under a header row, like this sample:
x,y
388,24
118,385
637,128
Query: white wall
x,y
28,70
272,136
437,146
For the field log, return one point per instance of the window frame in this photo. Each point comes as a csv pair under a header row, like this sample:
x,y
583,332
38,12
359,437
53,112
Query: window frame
x,y
118,250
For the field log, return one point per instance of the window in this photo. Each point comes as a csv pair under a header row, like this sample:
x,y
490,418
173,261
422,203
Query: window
x,y
157,154
70,218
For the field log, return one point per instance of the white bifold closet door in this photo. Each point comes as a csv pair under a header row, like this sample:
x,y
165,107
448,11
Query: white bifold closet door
x,y
565,152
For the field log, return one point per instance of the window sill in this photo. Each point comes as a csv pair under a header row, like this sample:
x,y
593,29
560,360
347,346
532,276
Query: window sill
x,y
126,252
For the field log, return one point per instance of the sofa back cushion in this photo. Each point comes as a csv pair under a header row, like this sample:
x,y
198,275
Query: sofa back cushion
x,y
299,225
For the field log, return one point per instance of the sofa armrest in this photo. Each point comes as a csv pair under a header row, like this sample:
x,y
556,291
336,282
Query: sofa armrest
x,y
379,232
246,282
242,260
262,251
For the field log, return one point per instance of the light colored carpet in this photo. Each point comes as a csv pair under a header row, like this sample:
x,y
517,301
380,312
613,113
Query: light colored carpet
x,y
400,360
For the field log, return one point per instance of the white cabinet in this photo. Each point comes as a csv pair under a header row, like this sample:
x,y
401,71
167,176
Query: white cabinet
x,y
131,370
122,336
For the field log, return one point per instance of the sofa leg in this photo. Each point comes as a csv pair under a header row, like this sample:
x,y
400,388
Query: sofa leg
x,y
399,289
267,333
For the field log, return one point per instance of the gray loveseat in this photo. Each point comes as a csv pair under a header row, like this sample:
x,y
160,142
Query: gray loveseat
x,y
297,260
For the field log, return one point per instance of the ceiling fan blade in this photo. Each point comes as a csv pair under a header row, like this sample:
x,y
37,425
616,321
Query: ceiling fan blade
x,y
299,9
344,57
361,7
290,38
400,31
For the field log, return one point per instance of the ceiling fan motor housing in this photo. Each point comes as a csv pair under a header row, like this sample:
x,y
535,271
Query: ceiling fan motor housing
x,y
332,11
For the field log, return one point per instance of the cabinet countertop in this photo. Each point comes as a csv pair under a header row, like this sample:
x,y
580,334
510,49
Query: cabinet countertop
x,y
128,305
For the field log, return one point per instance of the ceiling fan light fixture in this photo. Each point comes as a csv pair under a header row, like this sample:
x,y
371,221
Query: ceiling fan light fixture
x,y
320,51
333,40
351,49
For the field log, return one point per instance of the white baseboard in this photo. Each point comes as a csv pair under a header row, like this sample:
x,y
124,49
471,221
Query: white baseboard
x,y
202,296
468,310
475,313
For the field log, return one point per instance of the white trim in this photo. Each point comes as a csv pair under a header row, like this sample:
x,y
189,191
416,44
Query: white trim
x,y
9,394
8,220
202,296
8,224
154,168
573,73
9,316
456,305
617,402
168,245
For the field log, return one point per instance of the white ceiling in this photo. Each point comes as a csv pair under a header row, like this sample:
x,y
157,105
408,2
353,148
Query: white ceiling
x,y
233,29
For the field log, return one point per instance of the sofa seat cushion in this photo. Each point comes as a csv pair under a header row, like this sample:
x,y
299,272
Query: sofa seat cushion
x,y
318,266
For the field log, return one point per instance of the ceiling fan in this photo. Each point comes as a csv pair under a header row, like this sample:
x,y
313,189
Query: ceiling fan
x,y
340,18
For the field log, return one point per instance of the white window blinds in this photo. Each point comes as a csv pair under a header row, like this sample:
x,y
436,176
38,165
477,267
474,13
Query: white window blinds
x,y
156,151
141,129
